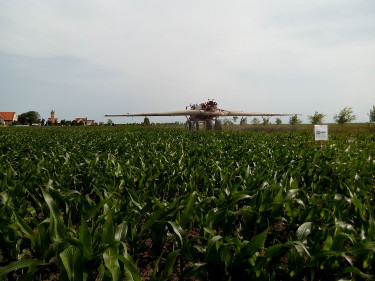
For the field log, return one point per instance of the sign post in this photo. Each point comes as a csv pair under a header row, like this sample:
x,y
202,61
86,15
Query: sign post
x,y
321,133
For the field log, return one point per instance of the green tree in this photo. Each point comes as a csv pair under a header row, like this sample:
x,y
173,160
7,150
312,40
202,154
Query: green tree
x,y
345,116
109,122
243,121
255,121
266,121
227,122
146,121
278,121
293,120
317,118
29,118
235,118
372,114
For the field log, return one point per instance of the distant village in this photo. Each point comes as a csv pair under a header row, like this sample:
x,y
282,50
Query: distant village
x,y
32,118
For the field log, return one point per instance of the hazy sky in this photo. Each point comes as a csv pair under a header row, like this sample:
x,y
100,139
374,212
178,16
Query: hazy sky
x,y
90,58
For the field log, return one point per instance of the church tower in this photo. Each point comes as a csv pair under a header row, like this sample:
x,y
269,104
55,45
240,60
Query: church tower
x,y
52,119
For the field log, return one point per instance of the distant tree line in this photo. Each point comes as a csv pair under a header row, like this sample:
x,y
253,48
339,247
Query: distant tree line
x,y
345,116
33,118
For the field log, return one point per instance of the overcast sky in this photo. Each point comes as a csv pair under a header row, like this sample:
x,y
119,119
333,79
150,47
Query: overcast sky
x,y
91,58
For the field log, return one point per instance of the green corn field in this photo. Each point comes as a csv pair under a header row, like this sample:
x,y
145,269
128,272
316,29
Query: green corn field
x,y
123,203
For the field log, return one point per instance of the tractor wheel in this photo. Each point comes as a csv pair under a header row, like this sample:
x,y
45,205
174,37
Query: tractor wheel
x,y
196,126
217,125
208,125
188,125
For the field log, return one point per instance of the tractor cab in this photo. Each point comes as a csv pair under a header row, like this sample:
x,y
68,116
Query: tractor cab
x,y
211,105
206,106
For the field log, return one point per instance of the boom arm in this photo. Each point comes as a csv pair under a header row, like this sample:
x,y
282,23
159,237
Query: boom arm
x,y
242,113
167,113
201,113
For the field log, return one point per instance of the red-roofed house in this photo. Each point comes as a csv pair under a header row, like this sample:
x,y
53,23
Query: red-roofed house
x,y
85,121
7,118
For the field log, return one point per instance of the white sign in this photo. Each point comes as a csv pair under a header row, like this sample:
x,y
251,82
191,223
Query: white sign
x,y
321,132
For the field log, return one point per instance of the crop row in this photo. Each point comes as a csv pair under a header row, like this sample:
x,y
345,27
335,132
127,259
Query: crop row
x,y
161,204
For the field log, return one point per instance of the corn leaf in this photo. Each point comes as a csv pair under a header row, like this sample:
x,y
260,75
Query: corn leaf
x,y
303,231
25,228
19,264
168,266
